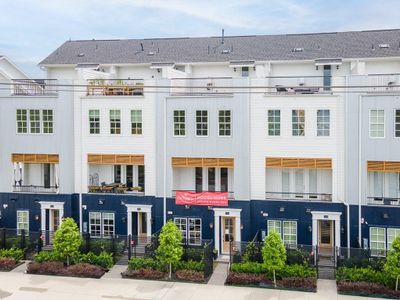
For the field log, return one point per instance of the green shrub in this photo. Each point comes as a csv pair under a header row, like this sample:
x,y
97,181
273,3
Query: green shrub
x,y
67,240
104,259
274,254
299,271
194,254
46,256
104,245
248,267
252,253
392,265
139,263
360,274
16,254
190,265
297,257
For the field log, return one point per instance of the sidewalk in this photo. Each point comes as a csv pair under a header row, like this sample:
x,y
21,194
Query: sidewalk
x,y
17,285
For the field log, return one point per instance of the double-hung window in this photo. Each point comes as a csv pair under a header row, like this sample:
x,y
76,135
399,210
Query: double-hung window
x,y
392,233
224,123
376,123
274,226
298,122
397,123
274,122
181,223
94,121
377,236
22,121
47,119
287,230
179,123
101,224
115,121
136,122
201,123
323,122
34,120
22,221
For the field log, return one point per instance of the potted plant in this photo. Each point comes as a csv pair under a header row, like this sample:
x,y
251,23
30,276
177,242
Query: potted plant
x,y
136,189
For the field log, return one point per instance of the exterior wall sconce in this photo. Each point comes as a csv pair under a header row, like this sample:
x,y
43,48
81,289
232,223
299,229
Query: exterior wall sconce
x,y
309,228
210,208
342,229
36,217
316,68
123,203
84,207
282,209
234,69
211,225
187,206
241,226
5,205
123,219
308,210
101,202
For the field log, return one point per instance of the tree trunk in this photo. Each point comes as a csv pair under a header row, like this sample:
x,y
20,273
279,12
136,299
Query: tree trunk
x,y
274,278
170,271
67,260
397,282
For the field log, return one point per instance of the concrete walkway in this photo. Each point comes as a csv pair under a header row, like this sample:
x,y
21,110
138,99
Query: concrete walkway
x,y
18,285
220,274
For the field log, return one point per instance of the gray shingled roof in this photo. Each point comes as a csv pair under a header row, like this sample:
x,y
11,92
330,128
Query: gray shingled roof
x,y
353,44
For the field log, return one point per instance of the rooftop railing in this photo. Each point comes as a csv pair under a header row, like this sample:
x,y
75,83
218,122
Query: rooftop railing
x,y
298,196
35,189
34,87
201,86
115,87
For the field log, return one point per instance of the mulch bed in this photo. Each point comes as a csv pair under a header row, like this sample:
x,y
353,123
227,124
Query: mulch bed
x,y
58,269
180,275
260,280
8,264
367,289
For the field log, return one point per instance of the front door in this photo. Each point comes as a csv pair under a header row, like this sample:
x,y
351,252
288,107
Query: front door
x,y
142,226
228,233
54,222
325,239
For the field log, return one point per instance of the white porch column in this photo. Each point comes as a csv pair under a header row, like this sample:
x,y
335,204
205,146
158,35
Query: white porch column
x,y
148,223
61,214
129,222
43,218
337,232
217,234
238,230
314,231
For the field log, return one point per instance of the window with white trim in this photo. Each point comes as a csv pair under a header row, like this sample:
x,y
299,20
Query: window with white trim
x,y
136,122
101,224
323,122
34,120
397,123
274,122
224,123
289,235
181,223
392,233
201,123
94,121
376,123
47,120
179,123
22,221
194,231
22,121
298,122
115,121
274,226
377,236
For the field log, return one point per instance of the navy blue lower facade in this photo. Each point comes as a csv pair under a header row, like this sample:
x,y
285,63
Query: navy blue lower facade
x,y
254,214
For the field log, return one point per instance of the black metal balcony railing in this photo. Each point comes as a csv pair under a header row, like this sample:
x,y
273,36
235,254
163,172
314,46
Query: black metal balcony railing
x,y
35,189
299,196
231,195
34,87
115,87
116,189
383,201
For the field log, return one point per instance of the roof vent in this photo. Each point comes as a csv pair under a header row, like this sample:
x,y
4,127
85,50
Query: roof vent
x,y
297,49
226,51
151,53
81,54
383,46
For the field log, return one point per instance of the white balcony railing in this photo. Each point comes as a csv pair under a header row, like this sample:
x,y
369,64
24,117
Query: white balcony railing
x,y
115,87
34,87
201,86
35,189
298,196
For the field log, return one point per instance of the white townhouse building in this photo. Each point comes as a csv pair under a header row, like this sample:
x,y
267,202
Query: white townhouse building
x,y
231,137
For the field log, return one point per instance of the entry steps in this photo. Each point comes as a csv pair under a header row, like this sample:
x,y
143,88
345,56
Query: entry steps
x,y
326,267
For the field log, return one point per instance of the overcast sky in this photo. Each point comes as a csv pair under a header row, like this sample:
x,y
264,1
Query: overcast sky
x,y
32,29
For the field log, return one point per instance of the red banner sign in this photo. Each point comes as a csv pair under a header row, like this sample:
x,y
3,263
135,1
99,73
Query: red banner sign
x,y
202,199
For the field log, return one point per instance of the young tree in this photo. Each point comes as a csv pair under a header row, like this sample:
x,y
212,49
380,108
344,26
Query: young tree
x,y
67,240
170,249
274,253
392,265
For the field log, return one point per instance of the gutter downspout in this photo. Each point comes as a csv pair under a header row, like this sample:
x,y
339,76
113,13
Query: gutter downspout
x,y
80,154
165,163
359,168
